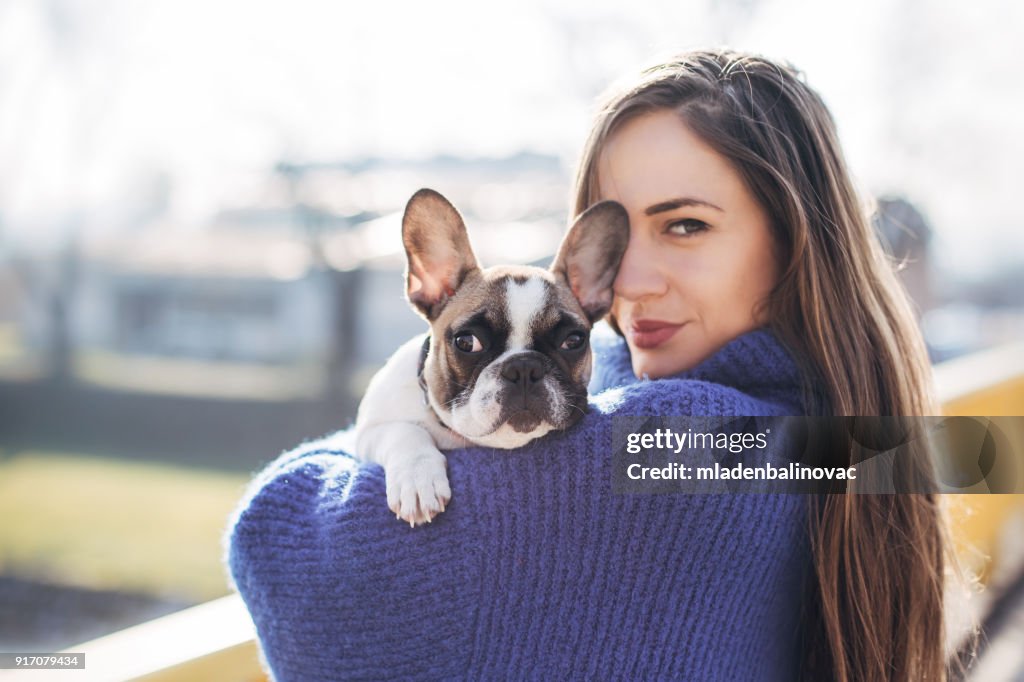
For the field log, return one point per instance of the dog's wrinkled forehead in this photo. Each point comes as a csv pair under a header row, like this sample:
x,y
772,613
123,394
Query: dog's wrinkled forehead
x,y
519,302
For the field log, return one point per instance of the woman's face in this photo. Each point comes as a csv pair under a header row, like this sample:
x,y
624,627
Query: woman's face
x,y
701,256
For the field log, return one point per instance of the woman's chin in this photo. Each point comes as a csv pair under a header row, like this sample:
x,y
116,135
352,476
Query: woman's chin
x,y
647,365
669,359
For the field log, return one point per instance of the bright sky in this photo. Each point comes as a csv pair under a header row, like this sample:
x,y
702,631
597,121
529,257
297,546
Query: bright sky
x,y
97,96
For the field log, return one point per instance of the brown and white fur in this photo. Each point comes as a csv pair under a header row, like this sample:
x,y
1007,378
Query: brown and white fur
x,y
508,357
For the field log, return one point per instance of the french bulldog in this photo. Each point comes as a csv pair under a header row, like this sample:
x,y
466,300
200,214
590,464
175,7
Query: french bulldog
x,y
507,358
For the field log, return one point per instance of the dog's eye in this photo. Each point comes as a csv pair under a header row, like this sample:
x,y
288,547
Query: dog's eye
x,y
468,343
573,341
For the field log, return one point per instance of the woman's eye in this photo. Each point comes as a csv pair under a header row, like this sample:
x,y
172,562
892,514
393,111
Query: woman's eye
x,y
572,342
468,343
688,226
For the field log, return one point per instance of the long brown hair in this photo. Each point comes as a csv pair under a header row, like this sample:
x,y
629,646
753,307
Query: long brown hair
x,y
876,597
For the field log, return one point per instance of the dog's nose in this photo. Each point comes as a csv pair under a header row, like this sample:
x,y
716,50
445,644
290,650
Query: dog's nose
x,y
523,371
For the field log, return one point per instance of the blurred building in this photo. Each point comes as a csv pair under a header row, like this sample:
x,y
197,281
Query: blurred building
x,y
217,312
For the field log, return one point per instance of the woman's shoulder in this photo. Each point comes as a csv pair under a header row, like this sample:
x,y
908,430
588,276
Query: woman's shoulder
x,y
334,582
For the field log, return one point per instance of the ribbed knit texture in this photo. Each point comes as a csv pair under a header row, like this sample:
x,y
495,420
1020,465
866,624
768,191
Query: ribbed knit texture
x,y
536,570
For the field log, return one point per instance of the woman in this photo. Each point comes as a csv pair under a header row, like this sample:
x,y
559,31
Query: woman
x,y
827,292
752,285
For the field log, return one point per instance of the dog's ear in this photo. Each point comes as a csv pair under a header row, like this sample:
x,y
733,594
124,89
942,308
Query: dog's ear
x,y
437,250
590,254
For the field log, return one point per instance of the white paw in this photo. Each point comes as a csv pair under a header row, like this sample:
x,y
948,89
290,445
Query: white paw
x,y
417,487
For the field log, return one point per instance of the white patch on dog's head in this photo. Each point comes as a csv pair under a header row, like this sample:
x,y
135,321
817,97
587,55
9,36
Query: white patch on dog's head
x,y
523,300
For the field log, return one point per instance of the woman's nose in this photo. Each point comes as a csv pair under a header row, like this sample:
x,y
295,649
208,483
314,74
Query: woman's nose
x,y
640,272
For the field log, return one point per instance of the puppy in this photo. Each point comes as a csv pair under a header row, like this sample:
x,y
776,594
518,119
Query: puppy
x,y
507,359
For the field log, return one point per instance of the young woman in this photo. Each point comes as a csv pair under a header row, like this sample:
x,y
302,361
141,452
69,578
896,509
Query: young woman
x,y
752,285
743,214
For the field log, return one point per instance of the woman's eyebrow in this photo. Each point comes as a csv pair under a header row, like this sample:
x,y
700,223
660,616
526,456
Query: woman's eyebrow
x,y
673,204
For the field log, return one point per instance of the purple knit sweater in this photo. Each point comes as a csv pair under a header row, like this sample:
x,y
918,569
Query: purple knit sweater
x,y
536,570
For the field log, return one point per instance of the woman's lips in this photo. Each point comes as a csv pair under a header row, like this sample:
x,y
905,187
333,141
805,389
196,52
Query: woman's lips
x,y
647,334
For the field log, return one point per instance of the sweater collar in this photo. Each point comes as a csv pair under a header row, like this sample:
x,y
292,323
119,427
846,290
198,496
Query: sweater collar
x,y
751,360
755,363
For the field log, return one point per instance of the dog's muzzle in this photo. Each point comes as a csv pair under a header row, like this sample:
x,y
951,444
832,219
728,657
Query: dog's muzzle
x,y
526,394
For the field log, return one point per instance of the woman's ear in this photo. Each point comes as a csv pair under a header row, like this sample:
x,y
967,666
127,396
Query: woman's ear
x,y
437,250
589,256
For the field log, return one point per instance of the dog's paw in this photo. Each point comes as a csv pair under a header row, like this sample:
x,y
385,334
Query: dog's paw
x,y
417,487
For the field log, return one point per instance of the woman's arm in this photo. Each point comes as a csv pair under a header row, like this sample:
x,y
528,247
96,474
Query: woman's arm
x,y
331,578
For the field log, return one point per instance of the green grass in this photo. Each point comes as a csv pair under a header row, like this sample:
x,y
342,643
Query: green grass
x,y
112,524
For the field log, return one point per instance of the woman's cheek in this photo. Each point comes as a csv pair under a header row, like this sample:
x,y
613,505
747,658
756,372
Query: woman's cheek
x,y
617,311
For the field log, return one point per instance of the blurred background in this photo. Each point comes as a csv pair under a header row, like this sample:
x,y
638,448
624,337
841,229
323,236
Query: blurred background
x,y
200,261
